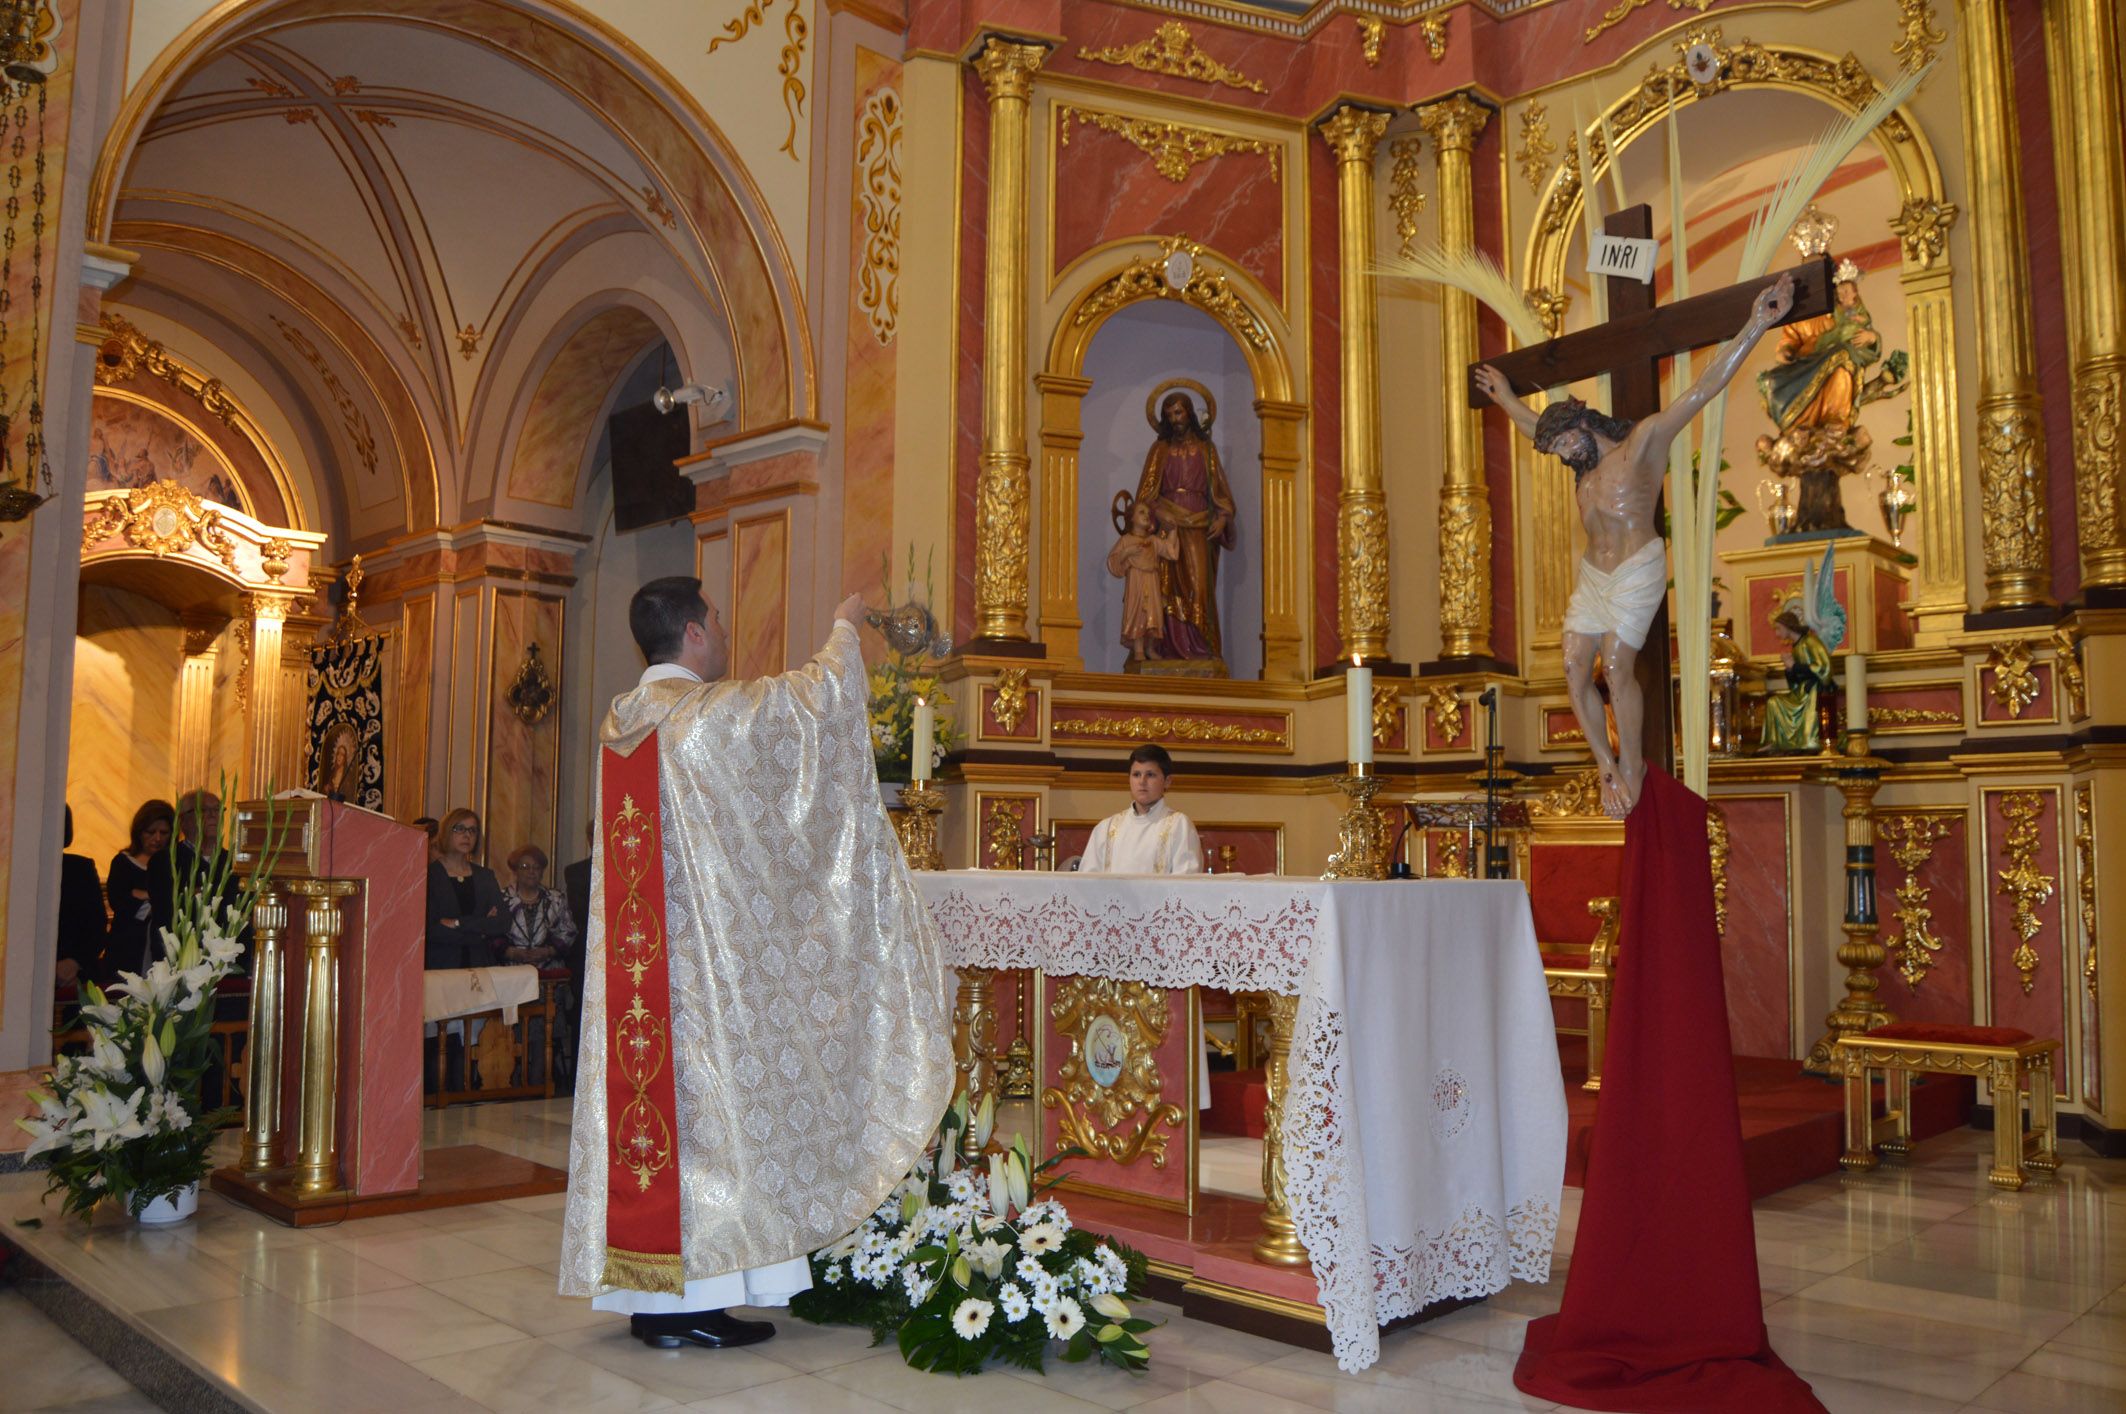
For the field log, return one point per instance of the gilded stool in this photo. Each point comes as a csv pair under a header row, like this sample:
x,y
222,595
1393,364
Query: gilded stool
x,y
2008,1060
1588,973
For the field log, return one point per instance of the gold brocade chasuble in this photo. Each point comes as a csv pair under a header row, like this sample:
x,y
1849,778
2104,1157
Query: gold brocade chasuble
x,y
810,1035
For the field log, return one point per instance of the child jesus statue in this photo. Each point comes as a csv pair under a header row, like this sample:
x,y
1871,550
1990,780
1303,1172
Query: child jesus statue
x,y
1135,561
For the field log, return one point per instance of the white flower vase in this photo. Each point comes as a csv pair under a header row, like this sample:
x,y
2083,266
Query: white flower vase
x,y
171,1207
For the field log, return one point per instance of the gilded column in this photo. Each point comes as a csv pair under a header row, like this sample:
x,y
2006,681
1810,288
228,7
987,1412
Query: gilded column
x,y
2011,430
269,615
1001,495
1922,226
2089,113
195,701
1362,507
1455,123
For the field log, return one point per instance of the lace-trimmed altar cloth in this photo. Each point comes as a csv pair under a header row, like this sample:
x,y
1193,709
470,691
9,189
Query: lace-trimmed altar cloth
x,y
1424,1138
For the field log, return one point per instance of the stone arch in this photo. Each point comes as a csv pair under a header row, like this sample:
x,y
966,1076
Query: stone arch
x,y
731,232
1172,268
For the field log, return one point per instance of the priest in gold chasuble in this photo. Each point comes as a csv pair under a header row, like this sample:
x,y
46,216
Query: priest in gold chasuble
x,y
767,1042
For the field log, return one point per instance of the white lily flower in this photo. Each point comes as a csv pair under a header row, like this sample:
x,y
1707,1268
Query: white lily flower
x,y
105,1059
152,1061
110,1120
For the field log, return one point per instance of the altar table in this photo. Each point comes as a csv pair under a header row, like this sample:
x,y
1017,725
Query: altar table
x,y
1424,1127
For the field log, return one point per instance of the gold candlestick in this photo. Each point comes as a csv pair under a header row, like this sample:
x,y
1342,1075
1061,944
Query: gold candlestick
x,y
1364,837
1858,776
917,825
974,1045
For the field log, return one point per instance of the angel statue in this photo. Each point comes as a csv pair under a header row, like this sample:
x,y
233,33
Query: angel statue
x,y
1812,624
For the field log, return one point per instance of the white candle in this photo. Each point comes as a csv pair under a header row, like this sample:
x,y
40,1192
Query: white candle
x,y
926,731
1358,698
1856,692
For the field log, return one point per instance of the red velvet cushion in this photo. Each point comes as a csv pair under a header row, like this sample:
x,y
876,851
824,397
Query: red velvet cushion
x,y
1560,955
1946,1034
554,973
1561,878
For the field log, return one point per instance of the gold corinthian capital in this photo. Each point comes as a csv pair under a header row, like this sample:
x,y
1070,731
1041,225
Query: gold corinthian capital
x,y
1455,123
2011,430
1361,512
1002,494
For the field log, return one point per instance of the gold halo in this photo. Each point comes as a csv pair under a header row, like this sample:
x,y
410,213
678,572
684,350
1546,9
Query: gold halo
x,y
1210,404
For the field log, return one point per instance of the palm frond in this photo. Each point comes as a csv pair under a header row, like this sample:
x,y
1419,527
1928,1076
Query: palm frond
x,y
1473,273
1785,203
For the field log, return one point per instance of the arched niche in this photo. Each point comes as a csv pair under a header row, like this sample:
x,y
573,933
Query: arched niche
x,y
1844,85
1100,286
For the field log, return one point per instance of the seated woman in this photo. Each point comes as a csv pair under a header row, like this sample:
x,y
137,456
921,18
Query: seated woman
x,y
138,886
467,919
540,928
84,926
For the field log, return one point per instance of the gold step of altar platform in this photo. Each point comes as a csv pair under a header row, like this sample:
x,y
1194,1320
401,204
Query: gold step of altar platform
x,y
450,1177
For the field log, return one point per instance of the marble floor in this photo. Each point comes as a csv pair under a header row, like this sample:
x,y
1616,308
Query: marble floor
x,y
1912,1289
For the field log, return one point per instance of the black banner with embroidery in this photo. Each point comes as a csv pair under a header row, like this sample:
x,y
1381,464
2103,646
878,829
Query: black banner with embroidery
x,y
343,736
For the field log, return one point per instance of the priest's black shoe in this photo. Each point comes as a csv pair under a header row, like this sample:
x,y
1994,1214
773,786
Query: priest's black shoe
x,y
716,1330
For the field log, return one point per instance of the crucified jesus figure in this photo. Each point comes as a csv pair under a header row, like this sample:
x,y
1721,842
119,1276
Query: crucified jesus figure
x,y
1617,469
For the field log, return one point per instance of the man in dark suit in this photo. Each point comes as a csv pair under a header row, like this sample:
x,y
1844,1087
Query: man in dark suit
x,y
83,924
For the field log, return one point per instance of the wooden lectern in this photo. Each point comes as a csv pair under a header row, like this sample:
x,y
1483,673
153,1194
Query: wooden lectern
x,y
332,1095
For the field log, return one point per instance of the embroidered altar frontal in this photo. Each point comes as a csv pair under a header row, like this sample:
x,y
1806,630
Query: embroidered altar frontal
x,y
1423,1126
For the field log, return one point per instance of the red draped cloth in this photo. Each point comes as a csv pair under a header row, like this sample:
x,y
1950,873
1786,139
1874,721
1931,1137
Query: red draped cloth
x,y
1662,1310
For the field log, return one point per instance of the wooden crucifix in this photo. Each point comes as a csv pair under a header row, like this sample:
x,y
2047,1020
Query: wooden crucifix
x,y
1629,348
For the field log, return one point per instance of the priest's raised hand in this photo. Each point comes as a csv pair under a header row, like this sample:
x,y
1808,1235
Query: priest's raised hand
x,y
767,1042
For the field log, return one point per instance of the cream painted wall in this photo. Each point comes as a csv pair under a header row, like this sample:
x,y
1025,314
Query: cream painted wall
x,y
739,88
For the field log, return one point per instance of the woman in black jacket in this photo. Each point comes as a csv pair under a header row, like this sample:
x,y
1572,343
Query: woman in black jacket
x,y
467,920
139,889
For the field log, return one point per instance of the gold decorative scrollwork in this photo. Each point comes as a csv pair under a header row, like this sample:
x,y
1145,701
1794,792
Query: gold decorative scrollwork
x,y
1718,847
1004,832
531,691
358,433
1175,148
1922,227
1443,700
1911,839
162,518
1624,9
1914,716
1450,857
1455,121
878,189
1171,51
1434,29
1404,199
1115,1029
273,557
1536,149
1465,564
2011,473
1577,797
1386,696
1164,728
1372,30
2085,880
1549,306
1207,289
2014,684
917,825
127,352
2099,456
1915,49
653,204
469,342
1363,572
2067,662
2020,880
1009,706
791,63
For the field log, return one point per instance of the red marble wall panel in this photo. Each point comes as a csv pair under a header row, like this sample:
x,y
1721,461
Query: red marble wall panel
x,y
1024,813
967,396
1326,395
1561,728
1070,841
1922,707
1170,1184
2042,708
1463,739
1755,949
1106,190
1944,992
1764,593
2040,1010
2048,293
1029,727
1893,626
1256,848
1562,878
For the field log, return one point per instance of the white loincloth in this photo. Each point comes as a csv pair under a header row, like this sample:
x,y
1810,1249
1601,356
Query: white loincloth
x,y
1621,601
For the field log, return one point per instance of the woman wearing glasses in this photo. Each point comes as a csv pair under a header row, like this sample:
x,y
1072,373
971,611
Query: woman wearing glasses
x,y
467,920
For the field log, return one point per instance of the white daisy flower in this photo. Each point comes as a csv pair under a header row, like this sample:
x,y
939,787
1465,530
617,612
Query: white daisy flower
x,y
1046,1292
1015,1303
960,1184
1065,1318
971,1317
919,1286
1041,1239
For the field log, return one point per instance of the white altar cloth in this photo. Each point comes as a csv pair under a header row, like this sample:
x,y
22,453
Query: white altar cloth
x,y
468,991
1424,1129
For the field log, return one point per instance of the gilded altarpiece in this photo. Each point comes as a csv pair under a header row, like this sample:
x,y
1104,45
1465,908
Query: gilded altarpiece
x,y
1119,1082
1923,897
2028,967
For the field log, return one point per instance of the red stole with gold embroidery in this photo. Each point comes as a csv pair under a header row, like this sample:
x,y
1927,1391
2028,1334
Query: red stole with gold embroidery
x,y
642,1247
